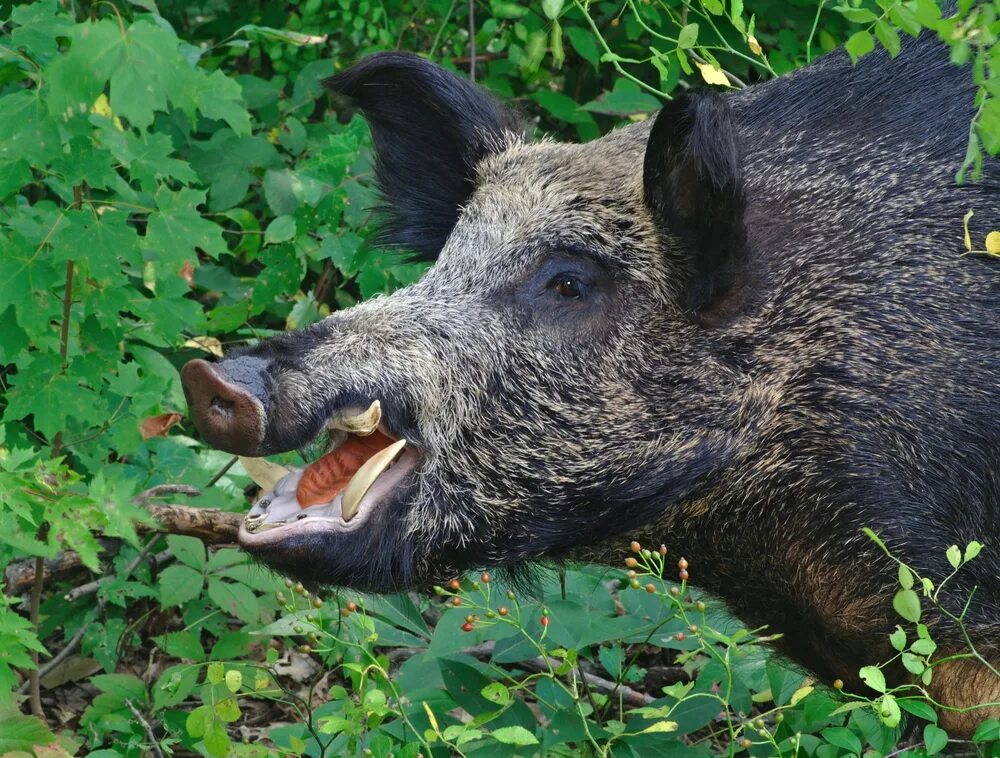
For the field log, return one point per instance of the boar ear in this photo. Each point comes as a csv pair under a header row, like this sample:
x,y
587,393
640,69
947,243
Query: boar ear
x,y
430,129
694,189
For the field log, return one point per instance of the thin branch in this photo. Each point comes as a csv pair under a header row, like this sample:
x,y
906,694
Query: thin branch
x,y
472,40
154,743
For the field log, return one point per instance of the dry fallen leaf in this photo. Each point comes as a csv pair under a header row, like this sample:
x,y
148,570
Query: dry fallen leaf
x,y
158,426
187,273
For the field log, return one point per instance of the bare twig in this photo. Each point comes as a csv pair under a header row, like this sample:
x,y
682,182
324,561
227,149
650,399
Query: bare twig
x,y
154,743
160,559
165,489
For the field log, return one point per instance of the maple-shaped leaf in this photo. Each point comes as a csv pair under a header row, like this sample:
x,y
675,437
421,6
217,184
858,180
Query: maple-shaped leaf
x,y
176,229
99,241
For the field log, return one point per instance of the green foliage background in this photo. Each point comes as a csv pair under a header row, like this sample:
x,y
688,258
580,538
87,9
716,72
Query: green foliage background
x,y
174,180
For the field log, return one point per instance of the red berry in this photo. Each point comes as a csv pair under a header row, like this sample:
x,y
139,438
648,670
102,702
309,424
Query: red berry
x,y
454,585
545,620
682,575
682,564
680,636
485,578
631,562
467,627
456,601
635,547
650,588
352,607
502,610
663,550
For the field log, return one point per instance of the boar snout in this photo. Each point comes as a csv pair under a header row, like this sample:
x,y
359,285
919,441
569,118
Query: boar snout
x,y
228,402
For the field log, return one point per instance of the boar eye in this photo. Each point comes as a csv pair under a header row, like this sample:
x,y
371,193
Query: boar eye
x,y
566,285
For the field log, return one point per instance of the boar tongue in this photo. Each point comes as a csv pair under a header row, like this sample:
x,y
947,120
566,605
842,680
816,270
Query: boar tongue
x,y
323,479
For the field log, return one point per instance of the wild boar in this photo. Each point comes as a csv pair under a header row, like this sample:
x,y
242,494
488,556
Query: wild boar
x,y
744,329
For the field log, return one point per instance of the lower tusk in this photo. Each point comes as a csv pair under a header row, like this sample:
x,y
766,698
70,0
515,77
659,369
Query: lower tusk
x,y
265,474
366,476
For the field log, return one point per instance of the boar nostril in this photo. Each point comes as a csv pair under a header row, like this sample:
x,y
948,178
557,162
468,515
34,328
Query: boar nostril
x,y
221,405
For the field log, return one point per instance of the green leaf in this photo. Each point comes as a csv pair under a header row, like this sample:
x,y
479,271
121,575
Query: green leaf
x,y
935,739
177,230
281,229
889,37
179,585
611,659
235,598
907,604
924,646
216,673
623,103
873,677
856,15
514,735
903,17
714,7
552,8
905,577
216,739
585,45
188,550
954,556
234,680
898,638
842,737
919,708
859,44
888,711
971,551
183,644
688,37
496,692
988,731
227,709
913,664
23,734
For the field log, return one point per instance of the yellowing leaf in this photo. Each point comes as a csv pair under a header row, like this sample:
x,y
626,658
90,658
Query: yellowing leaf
x,y
660,726
993,243
102,106
754,45
208,344
800,693
712,75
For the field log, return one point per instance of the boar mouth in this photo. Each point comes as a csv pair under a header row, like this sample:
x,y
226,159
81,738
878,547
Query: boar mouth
x,y
363,467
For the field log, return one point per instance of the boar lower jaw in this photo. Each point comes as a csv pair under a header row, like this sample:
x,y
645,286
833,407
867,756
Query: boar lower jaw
x,y
278,514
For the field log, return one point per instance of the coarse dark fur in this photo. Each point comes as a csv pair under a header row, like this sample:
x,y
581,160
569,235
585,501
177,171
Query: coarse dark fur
x,y
777,341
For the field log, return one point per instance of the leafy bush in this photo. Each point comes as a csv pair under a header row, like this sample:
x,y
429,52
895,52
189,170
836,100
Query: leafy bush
x,y
173,180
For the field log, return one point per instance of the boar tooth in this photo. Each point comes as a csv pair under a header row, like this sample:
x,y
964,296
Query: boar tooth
x,y
265,474
366,476
362,424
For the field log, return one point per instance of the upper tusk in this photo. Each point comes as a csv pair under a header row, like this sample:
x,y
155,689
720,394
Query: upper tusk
x,y
362,424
